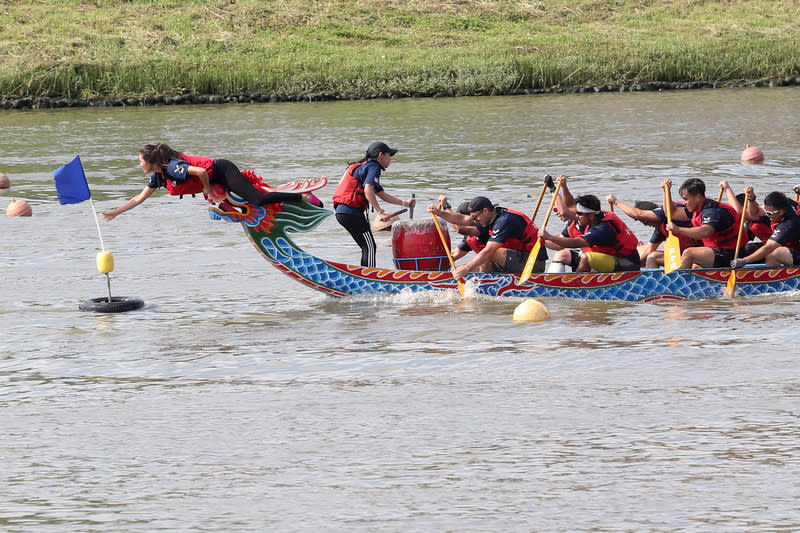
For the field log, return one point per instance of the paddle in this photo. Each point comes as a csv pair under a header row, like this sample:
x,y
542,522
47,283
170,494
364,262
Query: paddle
x,y
548,182
732,278
385,222
797,193
719,196
526,272
411,209
672,247
447,249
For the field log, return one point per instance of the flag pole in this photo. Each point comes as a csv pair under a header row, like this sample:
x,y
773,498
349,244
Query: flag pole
x,y
97,223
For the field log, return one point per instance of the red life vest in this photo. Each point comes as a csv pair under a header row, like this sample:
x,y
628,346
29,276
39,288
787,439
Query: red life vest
x,y
725,238
625,244
474,243
350,190
192,185
528,239
761,229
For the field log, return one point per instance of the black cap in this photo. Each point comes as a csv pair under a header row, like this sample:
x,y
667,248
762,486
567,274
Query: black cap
x,y
479,203
377,148
463,208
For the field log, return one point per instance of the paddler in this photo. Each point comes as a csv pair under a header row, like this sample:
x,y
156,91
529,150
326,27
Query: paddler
x,y
783,247
512,235
649,254
606,242
715,224
475,237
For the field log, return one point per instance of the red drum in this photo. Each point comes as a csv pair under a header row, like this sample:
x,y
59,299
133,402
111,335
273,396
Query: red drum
x,y
416,245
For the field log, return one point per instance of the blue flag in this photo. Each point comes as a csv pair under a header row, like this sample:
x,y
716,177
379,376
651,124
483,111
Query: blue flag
x,y
71,183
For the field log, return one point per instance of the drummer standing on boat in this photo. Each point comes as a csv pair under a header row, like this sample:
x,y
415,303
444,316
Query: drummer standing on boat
x,y
512,235
360,188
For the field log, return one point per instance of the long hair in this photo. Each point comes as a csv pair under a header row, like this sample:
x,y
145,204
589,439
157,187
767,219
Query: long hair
x,y
159,154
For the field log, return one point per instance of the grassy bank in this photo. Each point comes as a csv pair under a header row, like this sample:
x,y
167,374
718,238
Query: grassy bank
x,y
71,49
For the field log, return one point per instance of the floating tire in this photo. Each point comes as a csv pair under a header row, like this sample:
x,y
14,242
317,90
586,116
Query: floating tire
x,y
118,304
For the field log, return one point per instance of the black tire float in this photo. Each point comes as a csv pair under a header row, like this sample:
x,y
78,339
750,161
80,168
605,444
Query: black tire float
x,y
118,304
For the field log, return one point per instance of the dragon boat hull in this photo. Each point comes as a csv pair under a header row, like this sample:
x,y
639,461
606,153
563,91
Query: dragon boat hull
x,y
268,228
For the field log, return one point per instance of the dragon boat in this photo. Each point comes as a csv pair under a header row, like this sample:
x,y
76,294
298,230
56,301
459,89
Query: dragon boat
x,y
268,228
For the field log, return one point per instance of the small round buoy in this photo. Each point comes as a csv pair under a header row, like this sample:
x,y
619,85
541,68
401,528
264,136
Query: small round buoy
x,y
105,262
118,304
531,311
18,208
752,154
4,181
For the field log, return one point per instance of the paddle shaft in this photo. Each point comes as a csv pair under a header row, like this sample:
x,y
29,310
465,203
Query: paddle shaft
x,y
539,201
741,227
447,249
411,209
732,277
526,272
672,247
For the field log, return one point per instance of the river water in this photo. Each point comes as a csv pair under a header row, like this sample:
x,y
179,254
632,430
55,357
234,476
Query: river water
x,y
239,400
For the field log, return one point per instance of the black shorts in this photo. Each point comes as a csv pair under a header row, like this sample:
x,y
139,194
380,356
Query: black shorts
x,y
515,261
723,257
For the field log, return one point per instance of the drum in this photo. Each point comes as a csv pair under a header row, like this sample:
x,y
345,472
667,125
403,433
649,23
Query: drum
x,y
416,245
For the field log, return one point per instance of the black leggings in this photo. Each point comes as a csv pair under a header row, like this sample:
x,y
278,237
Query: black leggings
x,y
228,175
358,227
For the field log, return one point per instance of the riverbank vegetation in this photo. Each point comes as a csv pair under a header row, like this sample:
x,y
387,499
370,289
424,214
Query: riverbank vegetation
x,y
85,50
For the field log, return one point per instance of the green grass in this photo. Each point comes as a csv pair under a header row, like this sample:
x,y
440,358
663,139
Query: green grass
x,y
64,48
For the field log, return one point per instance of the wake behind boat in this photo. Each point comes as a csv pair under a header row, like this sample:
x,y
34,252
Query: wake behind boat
x,y
268,228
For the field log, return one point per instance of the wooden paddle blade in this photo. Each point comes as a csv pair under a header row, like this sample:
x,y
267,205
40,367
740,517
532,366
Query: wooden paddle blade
x,y
526,272
672,254
732,284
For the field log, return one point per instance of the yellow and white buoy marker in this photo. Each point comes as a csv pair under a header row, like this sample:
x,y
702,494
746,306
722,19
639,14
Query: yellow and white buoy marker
x,y
105,262
531,311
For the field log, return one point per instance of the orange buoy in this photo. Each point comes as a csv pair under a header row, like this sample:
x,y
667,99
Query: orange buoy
x,y
18,208
752,154
4,182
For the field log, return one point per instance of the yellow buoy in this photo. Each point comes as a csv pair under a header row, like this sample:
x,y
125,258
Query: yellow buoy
x,y
531,311
105,262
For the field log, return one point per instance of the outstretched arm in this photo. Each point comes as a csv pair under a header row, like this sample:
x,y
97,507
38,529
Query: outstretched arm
x,y
146,193
642,215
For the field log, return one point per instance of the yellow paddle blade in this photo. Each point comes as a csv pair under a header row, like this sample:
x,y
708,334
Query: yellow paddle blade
x,y
731,284
672,254
526,272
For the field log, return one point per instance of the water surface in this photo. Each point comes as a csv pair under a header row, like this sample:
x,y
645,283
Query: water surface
x,y
239,400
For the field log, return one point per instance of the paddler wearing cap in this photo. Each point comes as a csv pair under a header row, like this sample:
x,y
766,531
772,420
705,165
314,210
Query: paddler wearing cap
x,y
475,237
360,188
608,245
512,235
